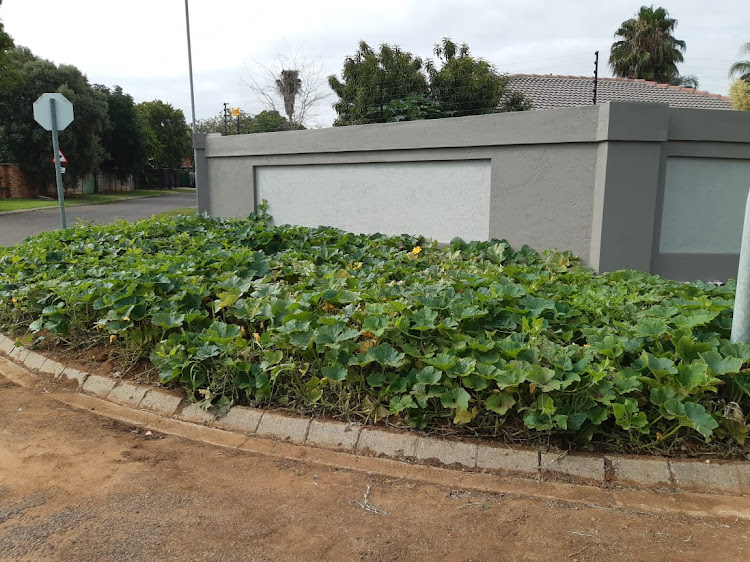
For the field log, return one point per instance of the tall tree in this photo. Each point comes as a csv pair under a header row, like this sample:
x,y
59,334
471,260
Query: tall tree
x,y
6,44
391,85
739,94
289,86
168,134
646,47
371,79
124,141
742,67
465,85
24,142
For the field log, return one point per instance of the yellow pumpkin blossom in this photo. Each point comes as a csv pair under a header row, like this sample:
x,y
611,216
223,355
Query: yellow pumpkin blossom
x,y
416,250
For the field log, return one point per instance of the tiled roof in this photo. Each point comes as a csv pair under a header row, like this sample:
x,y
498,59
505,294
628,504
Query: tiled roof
x,y
547,91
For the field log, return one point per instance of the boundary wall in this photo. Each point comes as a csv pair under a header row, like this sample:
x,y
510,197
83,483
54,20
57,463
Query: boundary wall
x,y
621,185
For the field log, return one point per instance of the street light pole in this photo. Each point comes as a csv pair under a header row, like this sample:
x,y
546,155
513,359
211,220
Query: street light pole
x,y
190,63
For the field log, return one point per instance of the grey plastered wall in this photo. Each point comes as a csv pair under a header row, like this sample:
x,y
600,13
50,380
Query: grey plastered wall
x,y
589,179
701,199
540,166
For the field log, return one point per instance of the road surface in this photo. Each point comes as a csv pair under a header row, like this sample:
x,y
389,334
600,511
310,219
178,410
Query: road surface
x,y
15,228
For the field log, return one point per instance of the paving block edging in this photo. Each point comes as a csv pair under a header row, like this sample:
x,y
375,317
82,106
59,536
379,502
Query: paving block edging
x,y
646,472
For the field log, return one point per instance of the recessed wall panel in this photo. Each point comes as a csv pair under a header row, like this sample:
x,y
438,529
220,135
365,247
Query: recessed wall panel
x,y
704,205
437,199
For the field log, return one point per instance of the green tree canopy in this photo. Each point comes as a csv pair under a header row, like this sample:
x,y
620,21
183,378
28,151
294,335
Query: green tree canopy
x,y
739,94
372,79
124,141
646,47
24,142
6,44
465,85
742,67
264,122
394,85
167,134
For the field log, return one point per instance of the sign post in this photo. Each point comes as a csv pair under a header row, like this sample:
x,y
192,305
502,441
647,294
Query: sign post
x,y
54,112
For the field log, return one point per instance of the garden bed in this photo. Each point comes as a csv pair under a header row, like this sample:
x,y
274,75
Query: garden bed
x,y
473,339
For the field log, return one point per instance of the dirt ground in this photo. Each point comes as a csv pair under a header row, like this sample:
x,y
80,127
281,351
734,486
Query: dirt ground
x,y
76,486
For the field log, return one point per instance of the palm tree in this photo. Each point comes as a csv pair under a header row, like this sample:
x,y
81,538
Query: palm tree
x,y
742,67
289,85
686,81
647,49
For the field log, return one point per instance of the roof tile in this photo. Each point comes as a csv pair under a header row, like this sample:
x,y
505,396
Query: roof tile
x,y
550,91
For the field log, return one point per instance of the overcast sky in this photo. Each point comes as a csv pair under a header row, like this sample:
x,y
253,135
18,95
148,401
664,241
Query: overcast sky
x,y
141,44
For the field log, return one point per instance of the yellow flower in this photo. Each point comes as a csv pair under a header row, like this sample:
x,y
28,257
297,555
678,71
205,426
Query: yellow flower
x,y
127,319
14,300
112,338
256,337
416,250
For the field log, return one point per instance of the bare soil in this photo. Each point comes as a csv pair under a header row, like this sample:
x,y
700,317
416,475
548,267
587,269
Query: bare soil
x,y
75,486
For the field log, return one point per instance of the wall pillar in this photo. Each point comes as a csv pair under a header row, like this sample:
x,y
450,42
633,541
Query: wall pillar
x,y
628,173
201,172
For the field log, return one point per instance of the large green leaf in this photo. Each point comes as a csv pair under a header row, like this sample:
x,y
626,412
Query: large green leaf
x,y
167,319
385,355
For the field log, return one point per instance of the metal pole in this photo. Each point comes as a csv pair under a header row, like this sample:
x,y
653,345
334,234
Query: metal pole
x,y
596,74
190,63
741,316
198,186
58,171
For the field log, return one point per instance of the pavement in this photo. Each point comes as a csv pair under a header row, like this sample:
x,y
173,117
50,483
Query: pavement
x,y
16,227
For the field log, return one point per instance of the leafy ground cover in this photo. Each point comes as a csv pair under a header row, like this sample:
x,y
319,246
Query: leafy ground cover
x,y
473,338
88,199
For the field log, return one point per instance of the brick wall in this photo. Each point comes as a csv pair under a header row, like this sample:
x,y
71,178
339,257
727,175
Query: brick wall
x,y
15,183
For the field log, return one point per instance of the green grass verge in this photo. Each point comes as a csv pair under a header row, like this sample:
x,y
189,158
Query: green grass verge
x,y
89,199
187,211
20,204
473,339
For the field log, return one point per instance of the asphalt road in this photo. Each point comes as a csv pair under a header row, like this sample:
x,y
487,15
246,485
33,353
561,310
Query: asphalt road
x,y
15,228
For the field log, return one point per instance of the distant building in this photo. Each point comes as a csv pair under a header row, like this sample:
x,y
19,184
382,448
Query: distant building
x,y
547,91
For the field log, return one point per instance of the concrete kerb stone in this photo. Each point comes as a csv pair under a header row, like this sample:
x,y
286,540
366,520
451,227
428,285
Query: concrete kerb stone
x,y
240,418
283,428
160,402
447,452
333,435
590,468
702,476
743,471
194,413
72,373
19,354
98,385
380,442
507,459
52,367
127,394
34,361
652,472
6,344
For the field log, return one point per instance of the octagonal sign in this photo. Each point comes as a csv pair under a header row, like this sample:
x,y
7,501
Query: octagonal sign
x,y
43,111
